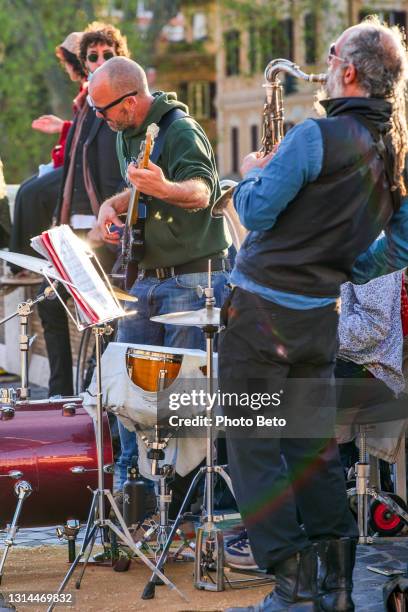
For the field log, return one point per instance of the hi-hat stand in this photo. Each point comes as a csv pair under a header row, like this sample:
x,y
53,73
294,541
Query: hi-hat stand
x,y
97,521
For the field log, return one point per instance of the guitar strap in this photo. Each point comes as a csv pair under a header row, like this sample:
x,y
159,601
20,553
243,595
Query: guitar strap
x,y
164,124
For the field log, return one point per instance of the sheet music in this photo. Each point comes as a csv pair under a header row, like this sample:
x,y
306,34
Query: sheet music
x,y
72,258
37,245
74,254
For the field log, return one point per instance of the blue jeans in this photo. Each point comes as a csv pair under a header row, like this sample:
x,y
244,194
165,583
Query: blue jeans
x,y
157,297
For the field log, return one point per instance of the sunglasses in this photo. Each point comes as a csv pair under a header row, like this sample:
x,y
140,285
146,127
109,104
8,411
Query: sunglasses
x,y
93,57
102,109
332,54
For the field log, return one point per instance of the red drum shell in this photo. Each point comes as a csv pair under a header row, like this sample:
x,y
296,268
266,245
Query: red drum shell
x,y
44,444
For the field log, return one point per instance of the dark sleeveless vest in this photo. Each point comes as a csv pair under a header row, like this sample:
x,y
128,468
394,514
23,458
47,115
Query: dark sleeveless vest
x,y
312,246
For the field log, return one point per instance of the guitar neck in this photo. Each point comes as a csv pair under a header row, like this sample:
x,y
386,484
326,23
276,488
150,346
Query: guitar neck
x,y
132,214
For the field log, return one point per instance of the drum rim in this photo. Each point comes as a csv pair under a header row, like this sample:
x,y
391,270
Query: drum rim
x,y
153,356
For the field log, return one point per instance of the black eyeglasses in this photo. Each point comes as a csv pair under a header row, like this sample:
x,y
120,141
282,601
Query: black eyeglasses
x,y
93,57
332,54
102,109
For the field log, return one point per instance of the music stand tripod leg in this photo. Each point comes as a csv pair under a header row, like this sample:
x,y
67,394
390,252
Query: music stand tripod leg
x,y
22,489
86,560
125,536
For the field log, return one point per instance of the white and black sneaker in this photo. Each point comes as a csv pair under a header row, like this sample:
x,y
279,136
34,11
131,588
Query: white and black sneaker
x,y
238,553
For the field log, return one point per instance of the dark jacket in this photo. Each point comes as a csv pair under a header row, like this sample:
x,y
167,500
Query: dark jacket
x,y
100,155
312,246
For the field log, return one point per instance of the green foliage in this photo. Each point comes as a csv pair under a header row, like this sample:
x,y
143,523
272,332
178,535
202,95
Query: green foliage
x,y
31,81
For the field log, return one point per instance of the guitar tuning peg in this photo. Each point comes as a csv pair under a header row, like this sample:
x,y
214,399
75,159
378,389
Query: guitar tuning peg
x,y
200,291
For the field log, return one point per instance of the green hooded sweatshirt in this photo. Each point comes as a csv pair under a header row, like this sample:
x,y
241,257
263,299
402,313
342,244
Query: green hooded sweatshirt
x,y
173,235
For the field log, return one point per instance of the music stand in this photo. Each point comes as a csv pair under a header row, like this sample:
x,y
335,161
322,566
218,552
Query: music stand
x,y
97,521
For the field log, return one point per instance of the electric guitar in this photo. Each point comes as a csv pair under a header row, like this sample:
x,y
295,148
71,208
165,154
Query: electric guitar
x,y
133,240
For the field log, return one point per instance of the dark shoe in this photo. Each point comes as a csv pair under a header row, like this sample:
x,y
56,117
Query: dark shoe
x,y
337,558
296,586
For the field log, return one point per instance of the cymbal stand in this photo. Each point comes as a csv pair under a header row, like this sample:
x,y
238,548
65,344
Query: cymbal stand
x,y
97,521
23,311
209,546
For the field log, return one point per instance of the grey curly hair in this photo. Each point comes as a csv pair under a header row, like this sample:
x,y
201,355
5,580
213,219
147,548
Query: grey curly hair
x,y
379,54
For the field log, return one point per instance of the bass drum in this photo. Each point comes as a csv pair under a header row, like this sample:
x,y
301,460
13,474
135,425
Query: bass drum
x,y
52,444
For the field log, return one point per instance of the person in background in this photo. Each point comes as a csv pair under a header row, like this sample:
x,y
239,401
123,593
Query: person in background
x,y
90,175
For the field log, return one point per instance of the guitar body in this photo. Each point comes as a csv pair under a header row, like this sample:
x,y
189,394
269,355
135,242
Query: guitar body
x,y
133,247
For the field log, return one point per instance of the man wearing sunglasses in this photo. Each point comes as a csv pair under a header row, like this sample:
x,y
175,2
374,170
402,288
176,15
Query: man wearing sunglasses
x,y
313,208
91,174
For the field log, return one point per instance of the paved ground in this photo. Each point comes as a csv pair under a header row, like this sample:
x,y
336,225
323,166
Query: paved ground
x,y
368,585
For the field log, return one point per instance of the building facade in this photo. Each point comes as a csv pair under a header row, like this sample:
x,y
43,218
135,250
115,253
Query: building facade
x,y
298,31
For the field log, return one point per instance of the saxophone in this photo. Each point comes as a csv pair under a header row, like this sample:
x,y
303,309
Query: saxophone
x,y
272,134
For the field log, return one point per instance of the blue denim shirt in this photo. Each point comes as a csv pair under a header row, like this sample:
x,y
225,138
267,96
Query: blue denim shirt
x,y
264,193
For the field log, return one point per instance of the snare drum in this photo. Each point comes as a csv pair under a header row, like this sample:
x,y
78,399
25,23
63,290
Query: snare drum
x,y
147,368
52,445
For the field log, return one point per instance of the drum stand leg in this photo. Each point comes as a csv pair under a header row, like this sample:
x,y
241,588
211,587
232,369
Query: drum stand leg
x,y
22,489
96,519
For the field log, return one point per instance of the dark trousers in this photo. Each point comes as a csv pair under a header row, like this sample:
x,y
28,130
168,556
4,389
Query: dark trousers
x,y
54,320
34,206
275,477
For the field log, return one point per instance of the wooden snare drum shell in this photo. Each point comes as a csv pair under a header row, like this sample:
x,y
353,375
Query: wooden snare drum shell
x,y
144,368
45,445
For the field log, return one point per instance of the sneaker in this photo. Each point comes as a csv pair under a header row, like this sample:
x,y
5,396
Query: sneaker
x,y
238,553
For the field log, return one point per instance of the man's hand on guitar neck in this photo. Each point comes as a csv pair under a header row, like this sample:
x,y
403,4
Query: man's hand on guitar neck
x,y
190,194
108,215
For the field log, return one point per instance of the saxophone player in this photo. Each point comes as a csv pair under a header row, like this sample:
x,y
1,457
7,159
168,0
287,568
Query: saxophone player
x,y
313,208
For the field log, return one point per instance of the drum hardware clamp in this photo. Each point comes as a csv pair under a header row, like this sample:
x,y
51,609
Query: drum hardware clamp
x,y
14,474
109,468
69,410
69,532
22,489
8,396
7,413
